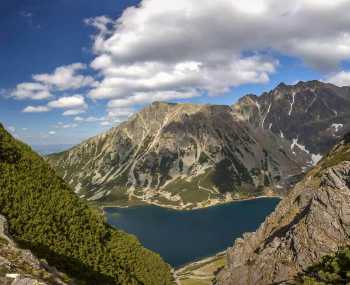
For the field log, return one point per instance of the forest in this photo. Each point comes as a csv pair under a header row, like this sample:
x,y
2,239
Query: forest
x,y
45,216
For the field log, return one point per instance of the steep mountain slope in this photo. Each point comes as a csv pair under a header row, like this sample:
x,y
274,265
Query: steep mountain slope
x,y
18,266
312,221
312,115
45,216
186,156
180,155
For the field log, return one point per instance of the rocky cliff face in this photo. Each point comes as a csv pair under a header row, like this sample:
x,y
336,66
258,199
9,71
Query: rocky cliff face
x,y
312,221
311,115
186,156
181,155
21,267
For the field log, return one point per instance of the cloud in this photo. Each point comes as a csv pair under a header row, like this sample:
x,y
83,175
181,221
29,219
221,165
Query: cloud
x,y
61,125
31,90
73,106
90,119
63,78
36,109
73,112
101,23
148,97
69,102
340,79
117,115
159,31
66,78
184,78
162,47
78,119
52,132
105,123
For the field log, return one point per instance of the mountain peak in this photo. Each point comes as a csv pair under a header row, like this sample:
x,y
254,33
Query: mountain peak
x,y
310,83
281,85
301,84
160,103
167,144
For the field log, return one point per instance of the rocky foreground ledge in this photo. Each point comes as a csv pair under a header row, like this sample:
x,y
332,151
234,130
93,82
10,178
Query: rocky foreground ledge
x,y
21,267
312,221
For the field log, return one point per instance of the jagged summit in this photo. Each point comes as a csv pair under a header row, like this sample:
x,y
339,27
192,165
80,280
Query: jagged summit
x,y
304,84
313,114
282,85
189,155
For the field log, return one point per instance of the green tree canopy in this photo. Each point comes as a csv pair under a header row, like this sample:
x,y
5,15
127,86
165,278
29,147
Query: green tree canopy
x,y
46,216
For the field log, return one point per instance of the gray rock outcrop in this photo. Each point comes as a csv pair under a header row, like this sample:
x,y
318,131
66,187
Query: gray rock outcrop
x,y
312,221
19,266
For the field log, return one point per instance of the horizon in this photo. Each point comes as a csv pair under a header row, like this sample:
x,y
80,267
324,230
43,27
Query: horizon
x,y
67,81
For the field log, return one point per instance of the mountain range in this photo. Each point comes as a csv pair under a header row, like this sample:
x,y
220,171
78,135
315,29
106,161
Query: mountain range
x,y
280,143
188,156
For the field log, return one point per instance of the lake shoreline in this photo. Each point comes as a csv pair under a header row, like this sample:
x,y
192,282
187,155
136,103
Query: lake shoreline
x,y
180,209
188,238
199,261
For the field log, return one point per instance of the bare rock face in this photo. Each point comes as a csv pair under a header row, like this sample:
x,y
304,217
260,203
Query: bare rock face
x,y
181,155
21,267
191,156
312,221
314,115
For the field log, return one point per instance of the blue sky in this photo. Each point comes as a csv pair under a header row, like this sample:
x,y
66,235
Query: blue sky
x,y
72,69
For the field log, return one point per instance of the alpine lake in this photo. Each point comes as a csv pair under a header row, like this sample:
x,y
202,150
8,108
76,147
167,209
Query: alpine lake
x,y
181,237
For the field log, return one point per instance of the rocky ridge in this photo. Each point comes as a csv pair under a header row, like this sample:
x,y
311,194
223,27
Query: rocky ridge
x,y
192,156
312,221
312,115
182,156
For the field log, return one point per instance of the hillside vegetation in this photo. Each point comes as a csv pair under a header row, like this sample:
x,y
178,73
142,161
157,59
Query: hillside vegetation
x,y
45,216
333,269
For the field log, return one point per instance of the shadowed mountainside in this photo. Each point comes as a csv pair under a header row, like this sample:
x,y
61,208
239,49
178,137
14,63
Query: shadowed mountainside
x,y
311,222
191,156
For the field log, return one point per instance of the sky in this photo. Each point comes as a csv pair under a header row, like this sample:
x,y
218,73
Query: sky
x,y
73,69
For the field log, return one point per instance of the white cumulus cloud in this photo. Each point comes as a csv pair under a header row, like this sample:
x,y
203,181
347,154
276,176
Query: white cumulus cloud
x,y
66,77
68,102
61,125
63,78
341,78
73,112
184,47
36,109
31,90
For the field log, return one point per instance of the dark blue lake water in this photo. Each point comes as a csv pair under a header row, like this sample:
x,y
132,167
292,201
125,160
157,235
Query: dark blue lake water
x,y
185,236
